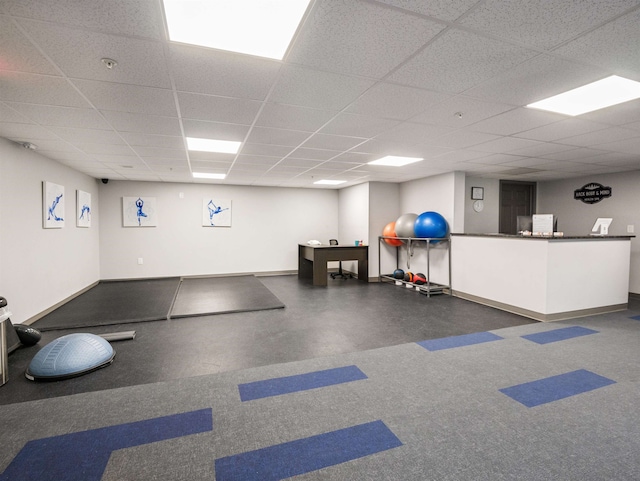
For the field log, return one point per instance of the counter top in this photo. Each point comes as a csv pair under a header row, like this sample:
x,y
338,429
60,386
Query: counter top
x,y
548,237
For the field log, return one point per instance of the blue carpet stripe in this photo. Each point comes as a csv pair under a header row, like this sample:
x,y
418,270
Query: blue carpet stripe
x,y
559,334
83,456
636,318
557,387
458,341
308,454
299,382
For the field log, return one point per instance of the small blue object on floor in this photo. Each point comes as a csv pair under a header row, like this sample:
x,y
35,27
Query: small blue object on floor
x,y
308,454
559,334
557,387
299,382
458,341
69,356
635,318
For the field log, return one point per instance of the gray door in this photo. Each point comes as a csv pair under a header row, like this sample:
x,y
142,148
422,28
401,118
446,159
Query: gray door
x,y
516,198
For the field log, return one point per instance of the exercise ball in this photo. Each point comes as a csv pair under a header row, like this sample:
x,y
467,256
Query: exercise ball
x,y
408,276
390,231
431,224
398,274
419,279
405,225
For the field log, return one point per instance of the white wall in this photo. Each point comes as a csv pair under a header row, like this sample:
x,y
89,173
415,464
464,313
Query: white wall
x,y
267,225
384,207
576,218
488,220
41,267
353,220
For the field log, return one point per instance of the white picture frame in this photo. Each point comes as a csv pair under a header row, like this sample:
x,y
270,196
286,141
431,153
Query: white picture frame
x,y
140,211
52,205
83,209
216,212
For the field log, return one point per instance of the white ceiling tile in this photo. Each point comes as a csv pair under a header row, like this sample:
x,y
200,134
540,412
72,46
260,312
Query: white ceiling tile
x,y
358,125
302,163
265,135
314,154
159,153
140,18
560,130
603,136
578,154
630,146
411,133
314,88
448,10
536,79
18,53
108,149
265,150
459,155
218,109
378,38
472,110
78,54
28,132
62,116
332,142
141,123
496,159
459,60
621,114
38,89
214,130
45,147
244,162
397,102
281,116
128,98
504,144
540,148
162,141
93,136
9,113
208,71
542,23
462,139
614,46
218,157
517,120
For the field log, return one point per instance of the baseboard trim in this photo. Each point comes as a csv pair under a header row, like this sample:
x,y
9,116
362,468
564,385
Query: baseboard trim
x,y
538,316
40,315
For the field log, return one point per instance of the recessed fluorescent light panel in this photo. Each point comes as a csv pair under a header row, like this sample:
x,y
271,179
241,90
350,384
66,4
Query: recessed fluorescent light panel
x,y
204,175
329,182
395,161
594,96
254,27
211,145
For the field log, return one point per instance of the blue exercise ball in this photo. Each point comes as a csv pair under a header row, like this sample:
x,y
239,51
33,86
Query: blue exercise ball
x,y
405,225
431,224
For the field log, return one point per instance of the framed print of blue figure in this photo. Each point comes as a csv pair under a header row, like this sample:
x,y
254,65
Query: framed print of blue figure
x,y
83,209
216,212
52,205
139,212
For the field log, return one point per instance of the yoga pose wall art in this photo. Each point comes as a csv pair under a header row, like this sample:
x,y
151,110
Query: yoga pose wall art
x,y
216,212
83,209
139,212
52,205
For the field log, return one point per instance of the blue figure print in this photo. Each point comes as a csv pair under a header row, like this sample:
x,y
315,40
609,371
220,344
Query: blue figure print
x,y
85,210
52,209
213,210
139,213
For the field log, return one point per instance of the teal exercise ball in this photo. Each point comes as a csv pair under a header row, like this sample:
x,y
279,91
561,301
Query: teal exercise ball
x,y
431,225
405,225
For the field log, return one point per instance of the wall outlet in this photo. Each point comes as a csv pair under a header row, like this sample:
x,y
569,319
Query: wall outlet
x,y
630,229
140,261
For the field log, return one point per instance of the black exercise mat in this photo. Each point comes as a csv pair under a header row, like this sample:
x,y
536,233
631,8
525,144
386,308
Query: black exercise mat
x,y
115,302
217,295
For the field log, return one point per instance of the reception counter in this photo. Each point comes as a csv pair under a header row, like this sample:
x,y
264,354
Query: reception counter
x,y
544,278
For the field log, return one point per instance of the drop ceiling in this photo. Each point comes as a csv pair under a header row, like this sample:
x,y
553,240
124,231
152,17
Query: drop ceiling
x,y
362,79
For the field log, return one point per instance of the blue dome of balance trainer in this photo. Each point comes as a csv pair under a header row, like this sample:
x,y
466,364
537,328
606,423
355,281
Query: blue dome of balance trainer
x,y
69,356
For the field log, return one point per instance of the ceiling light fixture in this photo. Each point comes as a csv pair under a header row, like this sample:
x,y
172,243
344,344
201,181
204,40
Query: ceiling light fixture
x,y
594,96
253,27
212,145
206,175
329,182
395,161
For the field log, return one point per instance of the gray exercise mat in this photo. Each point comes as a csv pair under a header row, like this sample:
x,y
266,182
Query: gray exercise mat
x,y
115,302
218,295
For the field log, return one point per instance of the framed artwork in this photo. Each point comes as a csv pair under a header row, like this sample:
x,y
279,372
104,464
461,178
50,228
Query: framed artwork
x,y
52,205
139,212
83,209
216,212
477,193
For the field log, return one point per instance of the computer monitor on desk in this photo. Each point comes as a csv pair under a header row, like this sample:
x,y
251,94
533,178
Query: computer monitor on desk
x,y
601,227
524,223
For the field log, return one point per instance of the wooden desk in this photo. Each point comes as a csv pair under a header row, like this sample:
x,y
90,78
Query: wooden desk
x,y
312,261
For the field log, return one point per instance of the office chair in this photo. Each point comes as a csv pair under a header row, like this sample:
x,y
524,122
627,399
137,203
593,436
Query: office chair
x,y
340,274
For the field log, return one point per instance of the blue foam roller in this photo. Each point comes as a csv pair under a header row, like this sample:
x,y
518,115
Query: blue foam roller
x,y
69,356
